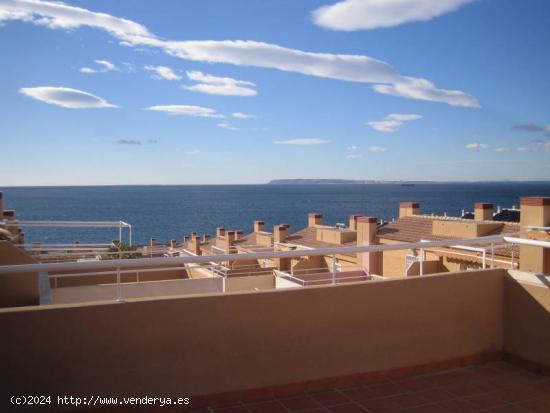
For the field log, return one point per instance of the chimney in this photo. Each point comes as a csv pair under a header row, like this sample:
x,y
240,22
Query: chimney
x,y
185,239
195,244
205,238
35,247
259,226
1,204
173,244
535,212
353,222
9,215
239,234
152,242
367,230
220,232
229,239
314,219
280,232
483,211
407,209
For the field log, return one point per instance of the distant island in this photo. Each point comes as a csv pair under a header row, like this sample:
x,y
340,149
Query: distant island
x,y
336,182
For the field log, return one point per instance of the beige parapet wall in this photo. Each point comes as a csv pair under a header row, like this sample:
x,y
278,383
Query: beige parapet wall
x,y
165,288
228,342
251,283
17,289
527,318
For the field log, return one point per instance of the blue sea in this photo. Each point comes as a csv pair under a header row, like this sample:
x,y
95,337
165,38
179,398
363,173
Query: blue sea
x,y
170,212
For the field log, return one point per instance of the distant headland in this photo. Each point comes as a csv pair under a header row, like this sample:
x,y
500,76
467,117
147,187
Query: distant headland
x,y
337,182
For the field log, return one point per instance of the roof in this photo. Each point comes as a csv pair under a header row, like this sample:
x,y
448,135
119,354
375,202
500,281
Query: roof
x,y
307,237
419,227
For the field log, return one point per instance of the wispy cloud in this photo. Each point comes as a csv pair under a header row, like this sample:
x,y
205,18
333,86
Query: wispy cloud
x,y
352,152
227,125
532,128
187,110
128,142
162,73
304,141
240,115
66,97
349,15
475,146
535,145
501,149
393,122
377,149
215,85
353,68
104,66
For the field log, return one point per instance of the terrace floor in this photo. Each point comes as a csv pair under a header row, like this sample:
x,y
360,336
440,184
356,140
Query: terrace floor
x,y
495,387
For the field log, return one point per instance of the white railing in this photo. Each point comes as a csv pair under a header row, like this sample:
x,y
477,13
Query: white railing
x,y
213,262
331,251
75,224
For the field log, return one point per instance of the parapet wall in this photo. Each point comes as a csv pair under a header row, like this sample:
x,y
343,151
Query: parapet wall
x,y
211,344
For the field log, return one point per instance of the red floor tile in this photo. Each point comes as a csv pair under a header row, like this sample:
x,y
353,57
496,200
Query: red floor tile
x,y
347,408
232,409
300,403
266,407
386,404
330,398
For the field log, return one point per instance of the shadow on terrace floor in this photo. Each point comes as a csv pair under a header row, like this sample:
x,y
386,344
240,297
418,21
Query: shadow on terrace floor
x,y
495,387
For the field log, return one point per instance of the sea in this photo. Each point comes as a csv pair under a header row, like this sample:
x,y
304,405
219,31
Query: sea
x,y
170,212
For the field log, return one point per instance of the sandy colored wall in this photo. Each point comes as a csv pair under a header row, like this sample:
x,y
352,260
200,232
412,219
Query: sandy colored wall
x,y
393,262
111,278
260,282
428,267
136,290
314,262
218,343
527,320
17,289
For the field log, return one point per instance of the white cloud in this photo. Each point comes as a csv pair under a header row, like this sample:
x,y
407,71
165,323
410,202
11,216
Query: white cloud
x,y
240,115
353,156
352,148
215,85
66,97
392,122
501,149
227,126
105,66
475,146
57,15
351,15
163,73
422,89
353,68
522,149
187,110
377,149
305,141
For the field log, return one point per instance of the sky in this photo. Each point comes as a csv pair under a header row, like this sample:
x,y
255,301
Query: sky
x,y
244,91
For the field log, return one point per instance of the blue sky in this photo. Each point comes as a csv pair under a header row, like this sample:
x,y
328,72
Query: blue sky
x,y
215,92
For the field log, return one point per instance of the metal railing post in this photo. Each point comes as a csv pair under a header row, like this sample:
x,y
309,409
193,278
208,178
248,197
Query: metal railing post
x,y
118,286
333,269
421,261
